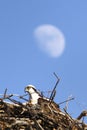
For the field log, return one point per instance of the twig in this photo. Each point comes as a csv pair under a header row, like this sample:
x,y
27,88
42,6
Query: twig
x,y
66,106
5,93
54,89
66,101
39,127
84,113
22,97
68,115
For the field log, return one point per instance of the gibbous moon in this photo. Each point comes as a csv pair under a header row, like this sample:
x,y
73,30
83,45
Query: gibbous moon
x,y
50,40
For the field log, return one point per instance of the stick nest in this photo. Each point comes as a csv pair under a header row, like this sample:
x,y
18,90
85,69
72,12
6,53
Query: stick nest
x,y
45,115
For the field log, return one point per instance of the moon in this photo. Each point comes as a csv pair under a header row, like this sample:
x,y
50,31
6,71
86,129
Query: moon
x,y
50,40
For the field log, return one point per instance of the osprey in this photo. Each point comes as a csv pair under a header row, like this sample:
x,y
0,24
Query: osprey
x,y
34,94
37,98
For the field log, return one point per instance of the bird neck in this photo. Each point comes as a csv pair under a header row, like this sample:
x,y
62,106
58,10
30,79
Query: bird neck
x,y
34,96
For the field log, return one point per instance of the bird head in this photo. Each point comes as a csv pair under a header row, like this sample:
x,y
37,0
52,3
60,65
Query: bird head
x,y
30,89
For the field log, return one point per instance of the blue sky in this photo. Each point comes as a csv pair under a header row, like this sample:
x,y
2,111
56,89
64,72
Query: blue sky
x,y
22,62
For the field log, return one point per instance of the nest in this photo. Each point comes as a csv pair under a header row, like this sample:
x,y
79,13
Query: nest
x,y
45,115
